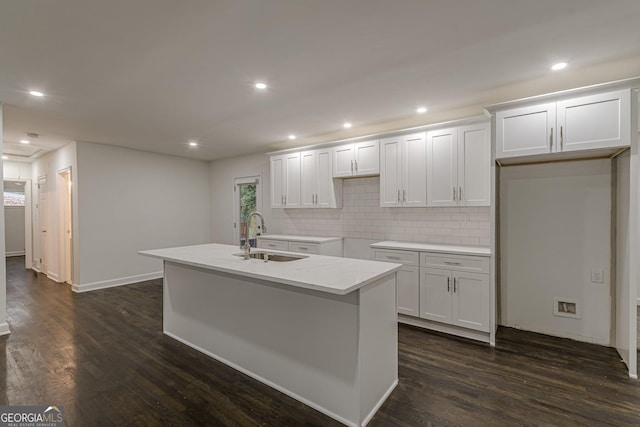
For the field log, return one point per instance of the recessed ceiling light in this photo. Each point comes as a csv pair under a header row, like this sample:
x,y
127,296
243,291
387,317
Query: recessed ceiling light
x,y
292,136
193,144
559,66
36,93
24,141
261,85
5,157
421,110
347,125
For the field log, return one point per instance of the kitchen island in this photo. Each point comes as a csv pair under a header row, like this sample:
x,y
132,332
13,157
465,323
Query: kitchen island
x,y
320,329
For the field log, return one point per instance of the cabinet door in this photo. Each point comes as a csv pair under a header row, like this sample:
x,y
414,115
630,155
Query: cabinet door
x,y
596,121
474,165
435,294
526,131
308,164
414,170
408,290
343,161
277,168
390,155
471,300
442,167
328,192
292,181
367,157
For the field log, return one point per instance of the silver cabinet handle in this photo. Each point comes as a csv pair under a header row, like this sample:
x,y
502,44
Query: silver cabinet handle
x,y
282,199
356,162
404,195
351,167
398,196
551,140
561,139
452,263
448,284
302,248
460,193
454,193
285,199
271,245
393,257
454,285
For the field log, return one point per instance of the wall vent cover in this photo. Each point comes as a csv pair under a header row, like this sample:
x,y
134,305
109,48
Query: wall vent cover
x,y
565,307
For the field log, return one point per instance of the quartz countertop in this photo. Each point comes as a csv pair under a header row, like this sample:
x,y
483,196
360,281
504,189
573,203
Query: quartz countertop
x,y
302,239
433,247
333,275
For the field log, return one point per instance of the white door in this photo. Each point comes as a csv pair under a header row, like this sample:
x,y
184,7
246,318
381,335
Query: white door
x,y
442,167
471,301
525,131
325,186
435,294
308,182
367,156
43,215
414,170
596,121
408,290
292,181
277,169
474,165
390,176
343,160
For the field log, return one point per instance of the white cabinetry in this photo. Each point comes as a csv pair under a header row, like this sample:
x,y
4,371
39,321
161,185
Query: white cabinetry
x,y
317,186
285,180
459,166
403,176
359,159
570,124
407,279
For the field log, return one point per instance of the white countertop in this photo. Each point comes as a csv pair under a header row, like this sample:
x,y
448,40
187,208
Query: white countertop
x,y
433,247
321,273
302,239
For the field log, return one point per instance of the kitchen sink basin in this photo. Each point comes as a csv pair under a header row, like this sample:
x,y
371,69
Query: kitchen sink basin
x,y
273,257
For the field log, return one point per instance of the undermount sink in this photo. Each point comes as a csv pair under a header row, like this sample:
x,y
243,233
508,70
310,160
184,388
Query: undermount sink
x,y
273,257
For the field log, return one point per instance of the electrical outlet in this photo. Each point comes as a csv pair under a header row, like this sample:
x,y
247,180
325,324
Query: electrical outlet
x,y
597,276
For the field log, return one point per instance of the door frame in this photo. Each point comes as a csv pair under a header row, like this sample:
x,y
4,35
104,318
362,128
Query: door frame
x,y
238,181
65,217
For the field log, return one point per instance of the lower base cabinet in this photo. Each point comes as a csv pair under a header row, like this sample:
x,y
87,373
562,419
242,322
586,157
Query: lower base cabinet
x,y
408,290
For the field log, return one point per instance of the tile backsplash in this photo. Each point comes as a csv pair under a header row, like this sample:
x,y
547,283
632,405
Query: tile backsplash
x,y
361,217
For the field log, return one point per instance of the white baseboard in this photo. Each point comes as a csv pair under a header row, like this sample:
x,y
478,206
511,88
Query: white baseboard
x,y
4,329
54,277
447,329
86,287
14,253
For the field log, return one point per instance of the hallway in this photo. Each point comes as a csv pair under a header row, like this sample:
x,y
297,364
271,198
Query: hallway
x,y
102,355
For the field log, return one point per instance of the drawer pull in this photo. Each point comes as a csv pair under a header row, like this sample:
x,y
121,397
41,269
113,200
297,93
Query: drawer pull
x,y
302,248
393,257
271,245
452,263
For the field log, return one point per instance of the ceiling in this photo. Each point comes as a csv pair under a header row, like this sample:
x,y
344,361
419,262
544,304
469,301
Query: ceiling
x,y
154,74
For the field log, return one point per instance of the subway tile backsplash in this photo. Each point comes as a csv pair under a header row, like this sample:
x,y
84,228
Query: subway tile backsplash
x,y
361,217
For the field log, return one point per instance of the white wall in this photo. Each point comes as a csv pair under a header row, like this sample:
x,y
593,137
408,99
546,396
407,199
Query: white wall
x,y
554,229
4,327
14,230
129,201
360,221
48,166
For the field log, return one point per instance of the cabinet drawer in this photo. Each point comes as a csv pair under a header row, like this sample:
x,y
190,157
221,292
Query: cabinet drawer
x,y
474,264
402,257
280,245
305,248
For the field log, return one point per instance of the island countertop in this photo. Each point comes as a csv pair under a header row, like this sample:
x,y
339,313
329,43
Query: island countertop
x,y
333,275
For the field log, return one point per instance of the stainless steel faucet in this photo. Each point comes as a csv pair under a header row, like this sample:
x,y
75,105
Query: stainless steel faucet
x,y
247,247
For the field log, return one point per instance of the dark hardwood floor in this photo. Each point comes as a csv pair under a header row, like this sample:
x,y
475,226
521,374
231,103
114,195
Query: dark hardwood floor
x,y
103,356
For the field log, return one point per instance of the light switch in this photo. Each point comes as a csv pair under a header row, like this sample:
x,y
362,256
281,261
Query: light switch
x,y
597,276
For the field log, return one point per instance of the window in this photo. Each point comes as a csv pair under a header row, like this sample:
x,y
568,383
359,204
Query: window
x,y
14,198
248,198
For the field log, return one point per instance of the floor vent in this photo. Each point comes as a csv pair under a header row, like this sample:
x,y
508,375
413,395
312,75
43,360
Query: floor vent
x,y
566,308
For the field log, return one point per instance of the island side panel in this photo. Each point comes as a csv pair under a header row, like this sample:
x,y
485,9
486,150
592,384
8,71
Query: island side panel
x,y
378,345
301,342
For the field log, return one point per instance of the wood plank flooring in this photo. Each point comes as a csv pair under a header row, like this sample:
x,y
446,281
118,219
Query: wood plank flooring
x,y
103,356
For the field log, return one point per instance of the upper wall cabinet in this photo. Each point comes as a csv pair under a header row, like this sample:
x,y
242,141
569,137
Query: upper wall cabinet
x,y
459,166
595,121
317,186
403,174
285,180
359,159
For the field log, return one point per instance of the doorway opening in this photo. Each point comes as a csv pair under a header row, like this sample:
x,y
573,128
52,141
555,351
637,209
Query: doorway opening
x,y
40,258
247,195
65,236
17,218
